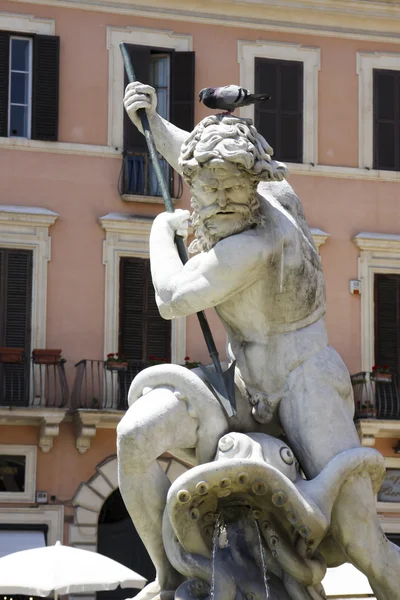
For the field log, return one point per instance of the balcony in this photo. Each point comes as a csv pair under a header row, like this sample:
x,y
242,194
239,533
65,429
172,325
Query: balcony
x,y
99,396
137,179
98,387
33,393
377,406
33,385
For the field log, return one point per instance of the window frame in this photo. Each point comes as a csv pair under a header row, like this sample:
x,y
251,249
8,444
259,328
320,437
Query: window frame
x,y
128,236
379,253
140,36
366,63
30,83
310,57
28,229
50,516
28,495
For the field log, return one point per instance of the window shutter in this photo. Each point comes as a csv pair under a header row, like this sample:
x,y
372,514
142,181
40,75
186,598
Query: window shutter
x,y
386,119
4,80
16,299
158,329
280,120
143,332
387,323
182,90
140,57
15,330
46,55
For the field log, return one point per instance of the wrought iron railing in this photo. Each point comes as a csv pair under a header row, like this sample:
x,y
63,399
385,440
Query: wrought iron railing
x,y
31,384
376,396
137,176
97,386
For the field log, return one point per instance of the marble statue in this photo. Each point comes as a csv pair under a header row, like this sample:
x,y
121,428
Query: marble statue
x,y
255,262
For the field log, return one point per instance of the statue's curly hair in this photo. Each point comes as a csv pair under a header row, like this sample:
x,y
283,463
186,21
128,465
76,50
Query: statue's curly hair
x,y
230,139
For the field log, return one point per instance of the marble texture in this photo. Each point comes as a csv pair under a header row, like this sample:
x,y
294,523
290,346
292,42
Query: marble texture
x,y
255,262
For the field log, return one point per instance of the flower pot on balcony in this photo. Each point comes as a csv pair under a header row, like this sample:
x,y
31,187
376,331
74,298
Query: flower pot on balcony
x,y
114,365
46,356
367,412
382,377
11,355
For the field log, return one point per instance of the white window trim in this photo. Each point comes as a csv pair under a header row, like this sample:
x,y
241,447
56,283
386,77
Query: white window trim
x,y
27,228
379,253
128,235
366,63
248,51
132,35
28,495
17,22
52,516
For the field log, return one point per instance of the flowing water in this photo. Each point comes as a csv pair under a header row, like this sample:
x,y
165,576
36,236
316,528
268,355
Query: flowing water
x,y
263,561
216,532
220,540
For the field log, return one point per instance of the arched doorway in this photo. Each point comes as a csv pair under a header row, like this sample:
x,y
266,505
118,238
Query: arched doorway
x,y
118,539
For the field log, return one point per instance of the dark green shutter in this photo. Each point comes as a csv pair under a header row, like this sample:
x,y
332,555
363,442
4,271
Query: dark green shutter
x,y
142,331
182,90
387,322
140,57
280,120
46,57
15,322
4,81
386,110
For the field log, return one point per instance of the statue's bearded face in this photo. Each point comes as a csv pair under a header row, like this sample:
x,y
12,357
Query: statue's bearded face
x,y
223,203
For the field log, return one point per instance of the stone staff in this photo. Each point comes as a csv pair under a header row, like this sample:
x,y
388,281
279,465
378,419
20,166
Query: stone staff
x,y
221,382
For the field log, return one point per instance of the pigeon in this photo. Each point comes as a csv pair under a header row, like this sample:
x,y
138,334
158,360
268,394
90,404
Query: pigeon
x,y
229,97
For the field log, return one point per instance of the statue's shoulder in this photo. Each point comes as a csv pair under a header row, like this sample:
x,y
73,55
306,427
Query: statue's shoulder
x,y
281,196
282,192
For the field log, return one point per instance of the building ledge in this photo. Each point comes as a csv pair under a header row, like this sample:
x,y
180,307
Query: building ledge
x,y
370,429
46,419
86,423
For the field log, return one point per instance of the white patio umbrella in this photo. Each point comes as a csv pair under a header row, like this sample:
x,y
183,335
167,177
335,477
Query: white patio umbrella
x,y
63,570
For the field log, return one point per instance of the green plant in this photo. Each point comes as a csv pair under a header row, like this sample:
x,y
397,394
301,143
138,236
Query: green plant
x,y
115,357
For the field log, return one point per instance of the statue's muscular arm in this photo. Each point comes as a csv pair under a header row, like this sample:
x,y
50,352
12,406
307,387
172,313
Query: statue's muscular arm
x,y
209,278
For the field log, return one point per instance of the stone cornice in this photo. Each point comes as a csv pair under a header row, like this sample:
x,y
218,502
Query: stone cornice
x,y
370,429
343,18
46,419
382,242
27,215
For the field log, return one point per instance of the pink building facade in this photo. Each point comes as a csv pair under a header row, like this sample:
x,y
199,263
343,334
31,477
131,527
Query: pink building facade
x,y
78,198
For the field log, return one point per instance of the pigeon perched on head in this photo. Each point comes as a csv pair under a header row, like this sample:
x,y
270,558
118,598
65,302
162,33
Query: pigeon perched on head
x,y
229,97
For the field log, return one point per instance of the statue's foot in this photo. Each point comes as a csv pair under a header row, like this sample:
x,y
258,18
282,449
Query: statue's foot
x,y
152,591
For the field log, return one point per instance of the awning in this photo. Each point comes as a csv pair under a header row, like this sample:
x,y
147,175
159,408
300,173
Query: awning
x,y
346,582
14,540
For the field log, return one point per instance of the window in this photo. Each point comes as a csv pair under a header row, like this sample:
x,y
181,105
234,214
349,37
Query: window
x,y
17,473
280,120
15,323
293,112
172,75
386,119
387,321
143,333
127,236
378,110
29,70
15,538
